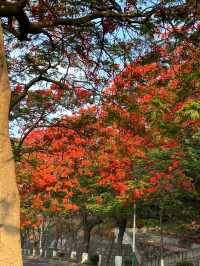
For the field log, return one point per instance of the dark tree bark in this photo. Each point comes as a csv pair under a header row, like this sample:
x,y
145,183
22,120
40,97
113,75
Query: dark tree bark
x,y
121,223
88,222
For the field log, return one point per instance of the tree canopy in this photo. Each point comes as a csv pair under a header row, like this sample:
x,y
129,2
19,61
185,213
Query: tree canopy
x,y
108,93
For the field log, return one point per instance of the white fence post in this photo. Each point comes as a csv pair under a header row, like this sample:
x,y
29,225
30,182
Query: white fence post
x,y
45,253
118,260
34,252
54,253
84,257
73,255
100,260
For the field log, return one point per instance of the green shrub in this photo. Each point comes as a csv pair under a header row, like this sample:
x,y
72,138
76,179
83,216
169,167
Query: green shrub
x,y
185,263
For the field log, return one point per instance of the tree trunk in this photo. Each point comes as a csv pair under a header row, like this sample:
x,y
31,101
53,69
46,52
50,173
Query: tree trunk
x,y
109,254
86,238
88,222
122,228
10,246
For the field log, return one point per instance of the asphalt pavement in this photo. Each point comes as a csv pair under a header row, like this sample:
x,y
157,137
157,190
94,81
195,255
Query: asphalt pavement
x,y
40,262
35,263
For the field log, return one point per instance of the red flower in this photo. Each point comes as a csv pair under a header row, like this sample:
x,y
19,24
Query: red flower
x,y
19,88
137,194
175,163
82,93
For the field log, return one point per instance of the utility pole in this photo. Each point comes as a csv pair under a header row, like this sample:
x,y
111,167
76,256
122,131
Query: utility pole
x,y
134,260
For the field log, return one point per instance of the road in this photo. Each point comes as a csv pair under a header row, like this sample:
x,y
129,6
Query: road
x,y
38,262
35,263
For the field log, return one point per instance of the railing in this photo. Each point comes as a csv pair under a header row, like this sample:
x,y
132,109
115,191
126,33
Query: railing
x,y
192,255
170,260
